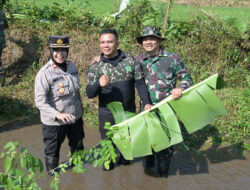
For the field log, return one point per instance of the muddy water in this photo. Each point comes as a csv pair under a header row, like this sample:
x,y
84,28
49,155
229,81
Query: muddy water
x,y
223,168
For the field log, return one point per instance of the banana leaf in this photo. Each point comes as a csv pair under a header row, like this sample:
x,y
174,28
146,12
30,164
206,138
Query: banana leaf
x,y
158,128
158,137
170,124
139,135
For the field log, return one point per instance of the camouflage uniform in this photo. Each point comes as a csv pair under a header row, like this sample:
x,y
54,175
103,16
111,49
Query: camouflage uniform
x,y
123,74
161,73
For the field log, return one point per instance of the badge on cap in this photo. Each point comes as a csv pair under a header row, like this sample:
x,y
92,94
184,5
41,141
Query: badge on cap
x,y
59,41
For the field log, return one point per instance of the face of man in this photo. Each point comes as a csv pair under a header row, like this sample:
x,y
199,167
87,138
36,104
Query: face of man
x,y
60,55
151,45
109,45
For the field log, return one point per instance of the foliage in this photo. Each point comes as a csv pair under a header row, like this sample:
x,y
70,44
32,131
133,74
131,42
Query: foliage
x,y
21,168
206,45
101,154
135,17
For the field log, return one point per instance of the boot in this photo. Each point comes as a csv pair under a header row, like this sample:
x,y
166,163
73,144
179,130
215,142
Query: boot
x,y
149,161
149,165
51,163
163,161
123,161
163,164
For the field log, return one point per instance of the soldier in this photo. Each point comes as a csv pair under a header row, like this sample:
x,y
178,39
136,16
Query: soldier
x,y
57,96
113,78
3,26
161,70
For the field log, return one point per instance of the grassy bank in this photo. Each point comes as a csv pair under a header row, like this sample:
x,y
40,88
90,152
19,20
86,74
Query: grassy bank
x,y
238,17
207,46
97,6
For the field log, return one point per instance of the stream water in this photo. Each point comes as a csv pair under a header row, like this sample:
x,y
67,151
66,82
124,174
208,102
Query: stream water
x,y
217,169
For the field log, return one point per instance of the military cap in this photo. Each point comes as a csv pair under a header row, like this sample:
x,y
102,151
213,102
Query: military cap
x,y
149,31
59,41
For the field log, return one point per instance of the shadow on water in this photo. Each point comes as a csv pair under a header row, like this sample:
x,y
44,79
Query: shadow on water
x,y
195,160
18,124
30,55
14,113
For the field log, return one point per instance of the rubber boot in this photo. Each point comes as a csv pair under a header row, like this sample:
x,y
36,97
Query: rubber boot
x,y
123,161
149,165
149,161
51,163
163,164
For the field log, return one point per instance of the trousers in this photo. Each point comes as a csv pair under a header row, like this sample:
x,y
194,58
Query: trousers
x,y
53,137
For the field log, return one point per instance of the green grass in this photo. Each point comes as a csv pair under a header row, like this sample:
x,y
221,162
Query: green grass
x,y
98,6
237,17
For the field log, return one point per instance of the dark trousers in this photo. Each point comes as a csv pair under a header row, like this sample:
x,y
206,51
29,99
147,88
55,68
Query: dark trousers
x,y
53,137
105,115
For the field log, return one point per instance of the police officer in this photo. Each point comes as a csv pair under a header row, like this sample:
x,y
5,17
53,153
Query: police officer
x,y
114,78
3,26
57,96
161,70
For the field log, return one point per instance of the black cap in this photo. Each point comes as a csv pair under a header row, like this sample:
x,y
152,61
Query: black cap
x,y
59,41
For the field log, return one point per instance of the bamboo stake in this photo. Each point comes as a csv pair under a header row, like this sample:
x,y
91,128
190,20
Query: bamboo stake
x,y
166,18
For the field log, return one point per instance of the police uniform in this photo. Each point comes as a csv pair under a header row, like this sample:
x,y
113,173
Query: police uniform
x,y
57,91
161,73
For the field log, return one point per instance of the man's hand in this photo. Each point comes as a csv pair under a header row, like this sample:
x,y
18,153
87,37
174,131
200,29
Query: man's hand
x,y
147,107
65,117
176,93
95,59
104,80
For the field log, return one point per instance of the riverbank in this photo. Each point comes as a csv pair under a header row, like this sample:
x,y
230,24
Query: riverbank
x,y
206,46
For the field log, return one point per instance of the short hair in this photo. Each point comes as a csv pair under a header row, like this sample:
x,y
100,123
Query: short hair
x,y
109,31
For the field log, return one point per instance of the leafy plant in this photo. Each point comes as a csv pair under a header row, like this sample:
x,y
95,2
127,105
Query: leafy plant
x,y
21,168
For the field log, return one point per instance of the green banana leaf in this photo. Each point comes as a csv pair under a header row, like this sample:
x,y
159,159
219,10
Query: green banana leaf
x,y
158,138
170,124
137,135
